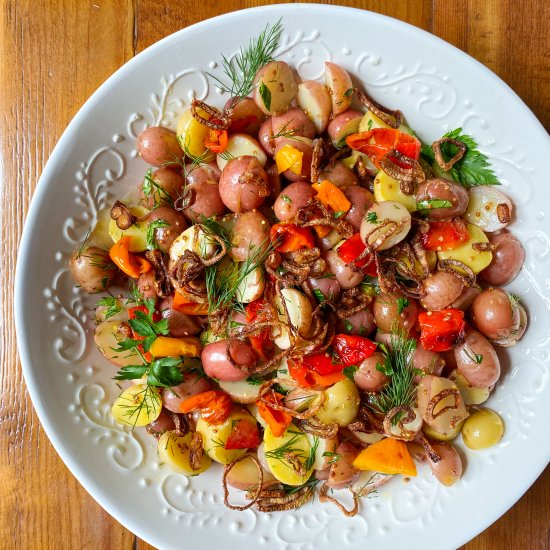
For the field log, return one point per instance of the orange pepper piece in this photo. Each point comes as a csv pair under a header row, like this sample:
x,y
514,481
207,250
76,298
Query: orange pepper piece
x,y
278,421
329,195
388,456
131,264
164,346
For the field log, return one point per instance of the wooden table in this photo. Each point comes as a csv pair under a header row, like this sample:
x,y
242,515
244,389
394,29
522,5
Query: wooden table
x,y
54,54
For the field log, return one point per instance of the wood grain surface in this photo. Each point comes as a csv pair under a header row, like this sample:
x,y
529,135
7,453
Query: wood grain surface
x,y
53,55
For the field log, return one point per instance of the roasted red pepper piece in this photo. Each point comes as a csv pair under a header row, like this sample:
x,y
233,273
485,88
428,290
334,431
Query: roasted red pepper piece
x,y
261,343
378,142
445,235
351,349
244,435
441,330
291,237
351,249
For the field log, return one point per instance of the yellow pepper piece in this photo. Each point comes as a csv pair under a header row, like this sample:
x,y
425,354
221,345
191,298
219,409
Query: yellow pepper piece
x,y
165,346
388,456
289,157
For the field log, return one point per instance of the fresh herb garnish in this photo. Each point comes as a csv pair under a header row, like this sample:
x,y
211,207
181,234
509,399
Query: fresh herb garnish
x,y
339,214
255,380
348,92
402,303
434,203
242,68
400,390
112,304
150,402
286,198
334,457
265,94
369,124
150,237
348,326
163,372
372,217
319,295
151,188
475,357
291,489
472,169
82,247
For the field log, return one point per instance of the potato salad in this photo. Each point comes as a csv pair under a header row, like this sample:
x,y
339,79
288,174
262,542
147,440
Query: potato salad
x,y
304,291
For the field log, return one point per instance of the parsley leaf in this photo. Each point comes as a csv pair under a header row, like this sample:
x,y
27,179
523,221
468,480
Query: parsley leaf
x,y
112,305
150,237
163,372
348,326
286,198
372,217
348,372
472,169
402,303
434,203
255,380
339,214
319,295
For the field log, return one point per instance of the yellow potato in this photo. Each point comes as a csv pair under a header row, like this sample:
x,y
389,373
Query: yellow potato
x,y
289,457
191,135
215,436
173,450
482,430
387,188
107,336
474,259
371,121
138,231
341,404
138,405
471,395
442,436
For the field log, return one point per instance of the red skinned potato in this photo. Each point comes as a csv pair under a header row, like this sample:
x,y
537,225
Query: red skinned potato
x,y
163,186
342,473
508,257
166,235
339,84
342,125
216,364
250,234
158,145
245,115
163,423
367,377
293,123
327,285
448,470
339,174
179,324
192,384
92,269
274,88
243,184
265,136
145,286
466,298
292,197
203,184
441,290
304,145
443,190
314,98
386,308
361,323
274,180
346,277
361,200
477,361
429,362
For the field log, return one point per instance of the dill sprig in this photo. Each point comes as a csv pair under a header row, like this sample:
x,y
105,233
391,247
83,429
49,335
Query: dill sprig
x,y
82,247
113,306
150,402
151,188
241,69
398,366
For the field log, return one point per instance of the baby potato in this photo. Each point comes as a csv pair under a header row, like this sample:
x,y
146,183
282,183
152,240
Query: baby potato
x,y
342,125
251,287
274,88
341,404
241,391
138,231
370,121
442,436
107,336
239,145
194,238
325,449
465,253
299,315
215,436
137,406
158,145
340,87
173,449
92,269
470,394
314,98
244,475
191,135
387,188
484,205
373,228
288,456
482,430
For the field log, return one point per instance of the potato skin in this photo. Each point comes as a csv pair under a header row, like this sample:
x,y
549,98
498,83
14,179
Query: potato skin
x,y
442,189
477,360
165,236
158,145
250,235
170,185
203,183
361,200
92,269
292,197
276,80
243,184
441,289
507,261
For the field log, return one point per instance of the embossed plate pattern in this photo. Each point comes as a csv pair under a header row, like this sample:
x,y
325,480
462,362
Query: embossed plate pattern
x,y
438,88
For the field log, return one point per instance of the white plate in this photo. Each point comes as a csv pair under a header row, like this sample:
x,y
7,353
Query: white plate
x,y
438,88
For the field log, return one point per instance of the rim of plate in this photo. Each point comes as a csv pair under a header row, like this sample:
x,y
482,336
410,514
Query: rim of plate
x,y
84,477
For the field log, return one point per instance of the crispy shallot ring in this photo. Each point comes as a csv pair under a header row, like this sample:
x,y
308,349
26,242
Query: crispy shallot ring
x,y
324,497
185,200
503,213
122,216
317,214
196,451
255,495
386,228
446,165
220,122
392,118
405,435
315,427
456,267
251,178
279,503
437,398
430,451
484,247
181,423
162,285
408,177
420,254
352,301
312,411
316,158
